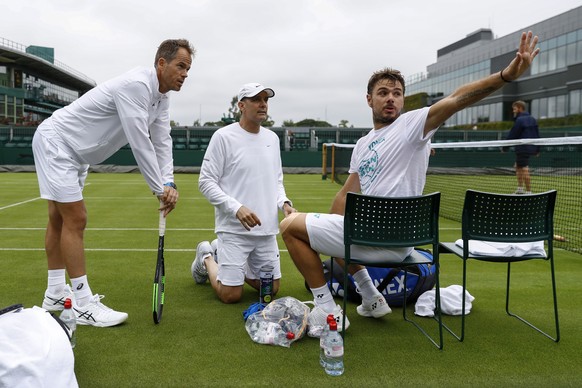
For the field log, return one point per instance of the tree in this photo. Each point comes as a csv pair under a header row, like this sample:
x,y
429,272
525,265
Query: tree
x,y
343,124
233,111
313,123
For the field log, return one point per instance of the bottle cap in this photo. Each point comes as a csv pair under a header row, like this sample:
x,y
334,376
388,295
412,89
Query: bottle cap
x,y
68,304
290,335
333,326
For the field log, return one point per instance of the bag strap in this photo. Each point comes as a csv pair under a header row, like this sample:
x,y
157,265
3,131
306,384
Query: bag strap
x,y
387,279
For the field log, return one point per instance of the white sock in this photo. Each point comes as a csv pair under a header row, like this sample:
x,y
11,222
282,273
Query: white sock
x,y
365,284
81,290
323,298
56,281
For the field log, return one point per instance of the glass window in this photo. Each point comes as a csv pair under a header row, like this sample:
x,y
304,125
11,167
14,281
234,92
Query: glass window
x,y
552,107
561,57
552,60
543,62
560,106
570,54
574,102
535,108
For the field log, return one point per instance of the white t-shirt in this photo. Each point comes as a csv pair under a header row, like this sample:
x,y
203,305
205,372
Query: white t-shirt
x,y
392,161
243,168
126,109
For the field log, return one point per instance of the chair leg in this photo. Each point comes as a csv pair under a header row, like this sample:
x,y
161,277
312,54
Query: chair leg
x,y
555,338
460,337
437,316
346,261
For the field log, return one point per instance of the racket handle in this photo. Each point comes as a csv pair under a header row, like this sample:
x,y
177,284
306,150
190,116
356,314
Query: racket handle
x,y
162,224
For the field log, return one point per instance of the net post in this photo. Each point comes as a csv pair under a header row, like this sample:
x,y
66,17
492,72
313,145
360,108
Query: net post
x,y
332,163
324,162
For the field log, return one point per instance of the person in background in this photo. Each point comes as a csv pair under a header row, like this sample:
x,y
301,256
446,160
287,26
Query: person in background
x,y
132,108
242,177
391,161
525,127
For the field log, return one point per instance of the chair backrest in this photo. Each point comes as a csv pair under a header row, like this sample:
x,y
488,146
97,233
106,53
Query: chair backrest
x,y
508,217
391,222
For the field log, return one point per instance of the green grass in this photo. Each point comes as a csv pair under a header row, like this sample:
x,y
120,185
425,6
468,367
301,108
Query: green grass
x,y
202,342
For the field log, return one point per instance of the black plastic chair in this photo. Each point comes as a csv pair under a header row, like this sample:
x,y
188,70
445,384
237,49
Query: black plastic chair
x,y
394,223
507,218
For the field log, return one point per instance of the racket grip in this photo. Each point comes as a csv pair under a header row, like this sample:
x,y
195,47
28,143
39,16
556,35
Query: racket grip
x,y
162,223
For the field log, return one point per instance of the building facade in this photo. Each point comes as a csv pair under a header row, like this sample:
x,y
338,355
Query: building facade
x,y
33,84
552,86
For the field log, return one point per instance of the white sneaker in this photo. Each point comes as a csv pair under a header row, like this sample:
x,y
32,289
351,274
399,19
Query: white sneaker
x,y
97,314
198,269
57,302
377,307
317,319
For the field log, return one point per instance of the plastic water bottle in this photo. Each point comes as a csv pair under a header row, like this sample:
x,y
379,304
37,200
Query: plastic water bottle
x,y
324,333
334,351
266,286
69,319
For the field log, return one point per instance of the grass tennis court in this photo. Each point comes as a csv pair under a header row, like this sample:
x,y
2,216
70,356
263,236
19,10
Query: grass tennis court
x,y
201,342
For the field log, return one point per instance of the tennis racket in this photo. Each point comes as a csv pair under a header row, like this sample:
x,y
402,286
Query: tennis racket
x,y
160,277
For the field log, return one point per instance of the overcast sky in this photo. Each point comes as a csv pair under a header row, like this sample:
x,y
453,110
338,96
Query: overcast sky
x,y
316,54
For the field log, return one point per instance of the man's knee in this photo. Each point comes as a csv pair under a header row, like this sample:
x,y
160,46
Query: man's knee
x,y
229,294
292,224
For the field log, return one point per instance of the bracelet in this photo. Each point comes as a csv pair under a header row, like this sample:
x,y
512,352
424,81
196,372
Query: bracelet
x,y
501,75
172,185
288,203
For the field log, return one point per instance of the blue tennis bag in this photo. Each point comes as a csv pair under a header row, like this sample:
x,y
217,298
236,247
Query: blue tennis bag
x,y
389,281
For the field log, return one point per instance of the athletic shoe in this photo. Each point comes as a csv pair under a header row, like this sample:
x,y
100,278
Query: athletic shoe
x,y
214,245
57,302
519,191
376,307
97,314
317,319
198,269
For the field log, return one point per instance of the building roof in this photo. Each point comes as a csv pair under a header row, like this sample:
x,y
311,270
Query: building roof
x,y
13,54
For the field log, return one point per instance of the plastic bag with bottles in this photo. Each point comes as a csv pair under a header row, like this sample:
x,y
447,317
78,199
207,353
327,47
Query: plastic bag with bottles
x,y
281,322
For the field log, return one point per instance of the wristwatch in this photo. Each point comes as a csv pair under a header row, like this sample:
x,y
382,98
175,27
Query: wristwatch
x,y
172,185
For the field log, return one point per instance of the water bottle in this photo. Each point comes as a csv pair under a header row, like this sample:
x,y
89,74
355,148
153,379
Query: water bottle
x,y
334,351
322,357
266,284
69,319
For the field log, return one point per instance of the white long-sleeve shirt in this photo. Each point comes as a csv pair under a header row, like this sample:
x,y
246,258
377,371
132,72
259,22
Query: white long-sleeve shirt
x,y
126,109
243,168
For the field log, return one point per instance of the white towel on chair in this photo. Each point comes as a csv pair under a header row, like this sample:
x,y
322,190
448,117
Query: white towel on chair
x,y
488,248
451,301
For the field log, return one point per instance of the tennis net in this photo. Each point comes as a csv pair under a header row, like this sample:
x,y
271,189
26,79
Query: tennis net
x,y
489,166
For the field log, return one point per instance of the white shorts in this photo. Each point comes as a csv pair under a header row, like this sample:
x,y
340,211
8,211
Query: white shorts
x,y
60,177
326,236
241,256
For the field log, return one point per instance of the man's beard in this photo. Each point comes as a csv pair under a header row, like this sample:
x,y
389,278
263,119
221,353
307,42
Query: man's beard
x,y
384,121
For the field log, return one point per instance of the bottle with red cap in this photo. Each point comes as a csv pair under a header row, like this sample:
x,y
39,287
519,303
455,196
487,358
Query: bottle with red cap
x,y
334,351
322,357
69,319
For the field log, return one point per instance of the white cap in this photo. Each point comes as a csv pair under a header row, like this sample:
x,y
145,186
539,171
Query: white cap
x,y
252,89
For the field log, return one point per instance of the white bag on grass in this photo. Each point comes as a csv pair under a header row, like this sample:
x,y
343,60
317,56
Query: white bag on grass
x,y
34,351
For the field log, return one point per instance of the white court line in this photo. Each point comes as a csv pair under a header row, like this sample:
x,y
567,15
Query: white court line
x,y
19,203
124,229
114,250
